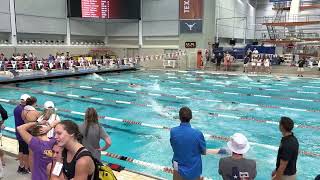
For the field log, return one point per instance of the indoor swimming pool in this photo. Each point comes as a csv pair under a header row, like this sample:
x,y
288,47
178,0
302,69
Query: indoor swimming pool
x,y
137,109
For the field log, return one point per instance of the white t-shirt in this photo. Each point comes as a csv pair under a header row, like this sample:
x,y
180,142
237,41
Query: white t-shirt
x,y
52,118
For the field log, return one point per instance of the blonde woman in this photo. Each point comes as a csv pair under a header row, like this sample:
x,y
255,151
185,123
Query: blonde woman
x,y
52,119
92,133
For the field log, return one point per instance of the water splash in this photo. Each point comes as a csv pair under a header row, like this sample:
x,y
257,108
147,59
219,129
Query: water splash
x,y
161,110
245,78
96,76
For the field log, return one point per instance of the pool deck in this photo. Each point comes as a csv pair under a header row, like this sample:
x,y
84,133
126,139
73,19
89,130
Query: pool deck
x,y
283,71
10,146
30,75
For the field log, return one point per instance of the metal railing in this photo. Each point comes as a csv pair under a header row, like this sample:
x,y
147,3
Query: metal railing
x,y
292,18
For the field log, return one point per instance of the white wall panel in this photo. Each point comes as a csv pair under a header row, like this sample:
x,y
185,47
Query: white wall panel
x,y
43,25
5,22
45,8
122,29
161,28
160,9
89,28
235,27
4,7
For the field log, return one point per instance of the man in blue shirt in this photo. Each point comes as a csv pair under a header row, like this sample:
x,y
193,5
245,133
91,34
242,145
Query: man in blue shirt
x,y
23,146
188,145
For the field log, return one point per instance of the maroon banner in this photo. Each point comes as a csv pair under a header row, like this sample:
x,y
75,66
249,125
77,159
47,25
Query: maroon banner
x,y
191,9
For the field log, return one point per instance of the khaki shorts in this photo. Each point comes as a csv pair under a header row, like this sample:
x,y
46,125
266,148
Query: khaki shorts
x,y
293,177
300,69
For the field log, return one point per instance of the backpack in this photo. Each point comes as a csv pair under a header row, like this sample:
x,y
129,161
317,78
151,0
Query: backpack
x,y
101,171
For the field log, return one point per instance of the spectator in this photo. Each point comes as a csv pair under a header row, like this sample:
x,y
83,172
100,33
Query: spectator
x,y
245,64
92,133
236,166
56,159
219,58
29,113
287,153
4,116
301,63
188,145
41,147
267,65
77,161
23,146
227,61
50,117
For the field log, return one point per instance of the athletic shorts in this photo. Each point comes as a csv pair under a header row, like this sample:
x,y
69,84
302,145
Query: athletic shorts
x,y
253,64
300,69
258,64
23,147
284,177
245,65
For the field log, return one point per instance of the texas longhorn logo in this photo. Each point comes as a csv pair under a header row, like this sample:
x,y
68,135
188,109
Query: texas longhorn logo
x,y
190,26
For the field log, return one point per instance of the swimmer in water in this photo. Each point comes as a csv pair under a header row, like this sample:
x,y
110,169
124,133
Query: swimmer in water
x,y
277,78
132,85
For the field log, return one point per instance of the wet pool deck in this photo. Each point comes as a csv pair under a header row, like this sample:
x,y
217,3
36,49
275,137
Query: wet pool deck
x,y
10,146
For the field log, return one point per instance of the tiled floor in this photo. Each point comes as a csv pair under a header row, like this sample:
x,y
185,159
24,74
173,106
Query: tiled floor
x,y
11,145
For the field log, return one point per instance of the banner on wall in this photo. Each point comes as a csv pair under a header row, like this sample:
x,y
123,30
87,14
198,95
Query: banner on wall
x,y
191,9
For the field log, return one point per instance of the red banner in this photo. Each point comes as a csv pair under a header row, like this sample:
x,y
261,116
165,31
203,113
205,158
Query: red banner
x,y
191,9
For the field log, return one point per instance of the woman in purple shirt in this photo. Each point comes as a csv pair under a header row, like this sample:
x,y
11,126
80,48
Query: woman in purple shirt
x,y
41,146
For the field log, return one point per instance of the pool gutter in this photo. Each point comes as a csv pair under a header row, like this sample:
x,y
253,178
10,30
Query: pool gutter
x,y
62,74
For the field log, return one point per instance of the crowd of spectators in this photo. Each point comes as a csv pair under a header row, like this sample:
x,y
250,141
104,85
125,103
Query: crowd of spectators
x,y
60,61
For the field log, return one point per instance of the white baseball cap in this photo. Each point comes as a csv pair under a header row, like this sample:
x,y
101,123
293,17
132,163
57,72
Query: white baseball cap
x,y
24,97
238,144
48,105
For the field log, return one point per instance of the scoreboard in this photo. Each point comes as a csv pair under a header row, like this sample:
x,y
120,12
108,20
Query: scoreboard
x,y
105,9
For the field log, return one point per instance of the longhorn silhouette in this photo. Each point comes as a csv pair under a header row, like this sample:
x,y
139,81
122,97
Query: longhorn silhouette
x,y
190,26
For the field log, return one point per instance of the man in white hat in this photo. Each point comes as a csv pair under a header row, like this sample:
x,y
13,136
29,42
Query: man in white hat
x,y
23,146
236,167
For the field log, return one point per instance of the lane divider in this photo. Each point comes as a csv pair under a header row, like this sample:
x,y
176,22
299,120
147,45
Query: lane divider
x,y
234,93
175,109
209,100
143,163
208,136
224,73
277,84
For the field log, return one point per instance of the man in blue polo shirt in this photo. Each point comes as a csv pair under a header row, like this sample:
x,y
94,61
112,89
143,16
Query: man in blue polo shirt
x,y
188,145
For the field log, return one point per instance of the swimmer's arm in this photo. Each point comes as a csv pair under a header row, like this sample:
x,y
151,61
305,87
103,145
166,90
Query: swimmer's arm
x,y
23,131
216,151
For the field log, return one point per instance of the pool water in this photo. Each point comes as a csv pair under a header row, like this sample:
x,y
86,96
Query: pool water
x,y
222,105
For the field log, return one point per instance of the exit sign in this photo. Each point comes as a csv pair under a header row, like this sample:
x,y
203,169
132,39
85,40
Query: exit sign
x,y
190,44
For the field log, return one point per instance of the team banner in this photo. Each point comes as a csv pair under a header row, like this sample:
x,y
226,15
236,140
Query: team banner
x,y
191,9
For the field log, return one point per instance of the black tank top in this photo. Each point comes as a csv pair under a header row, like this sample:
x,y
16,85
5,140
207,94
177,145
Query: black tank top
x,y
69,169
